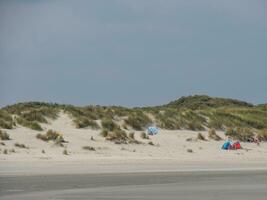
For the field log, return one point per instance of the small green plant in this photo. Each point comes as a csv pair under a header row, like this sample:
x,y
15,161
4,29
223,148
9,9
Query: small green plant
x,y
150,143
89,148
4,135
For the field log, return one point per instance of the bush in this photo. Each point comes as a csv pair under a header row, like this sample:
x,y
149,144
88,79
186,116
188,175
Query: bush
x,y
4,135
84,122
138,121
28,124
6,120
109,125
241,134
213,135
51,135
117,135
151,143
6,124
33,115
104,133
35,126
262,135
194,126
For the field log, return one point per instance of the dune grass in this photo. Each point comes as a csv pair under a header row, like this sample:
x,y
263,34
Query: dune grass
x,y
4,135
213,135
241,134
6,120
19,145
83,122
29,124
192,113
262,135
51,135
138,120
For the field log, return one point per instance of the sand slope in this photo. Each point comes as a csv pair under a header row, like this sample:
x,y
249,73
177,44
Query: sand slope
x,y
169,146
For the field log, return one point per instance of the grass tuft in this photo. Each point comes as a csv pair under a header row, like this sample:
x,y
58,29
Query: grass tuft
x,y
89,148
213,135
20,146
4,135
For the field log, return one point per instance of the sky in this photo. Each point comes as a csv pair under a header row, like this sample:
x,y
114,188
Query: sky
x,y
132,52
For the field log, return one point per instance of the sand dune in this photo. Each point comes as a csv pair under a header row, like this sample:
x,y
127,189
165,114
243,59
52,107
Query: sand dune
x,y
169,146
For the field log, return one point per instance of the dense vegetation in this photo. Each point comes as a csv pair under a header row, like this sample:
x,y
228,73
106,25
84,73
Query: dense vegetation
x,y
193,113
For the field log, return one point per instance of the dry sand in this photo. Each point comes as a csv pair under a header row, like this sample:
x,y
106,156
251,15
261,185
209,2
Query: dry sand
x,y
169,147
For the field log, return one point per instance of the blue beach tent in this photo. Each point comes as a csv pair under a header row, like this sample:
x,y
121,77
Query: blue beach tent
x,y
226,145
152,130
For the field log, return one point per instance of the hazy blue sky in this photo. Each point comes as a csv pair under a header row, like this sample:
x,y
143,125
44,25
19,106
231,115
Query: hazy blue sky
x,y
132,52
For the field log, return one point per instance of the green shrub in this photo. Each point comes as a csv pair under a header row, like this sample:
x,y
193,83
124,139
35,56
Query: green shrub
x,y
33,116
51,135
108,124
84,122
35,126
4,135
6,120
138,121
241,134
6,124
104,133
262,135
28,124
117,135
